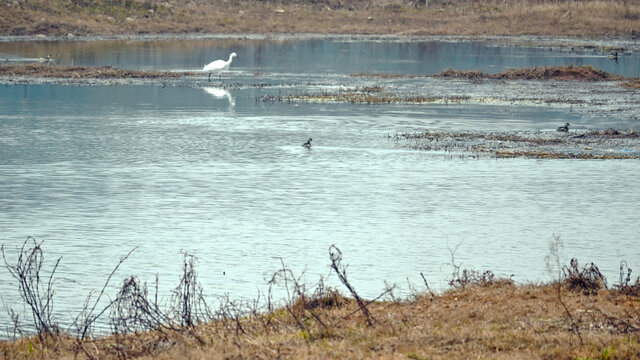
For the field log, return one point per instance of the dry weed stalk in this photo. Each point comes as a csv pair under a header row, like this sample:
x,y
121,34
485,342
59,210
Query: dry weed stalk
x,y
626,286
35,290
86,319
189,304
336,258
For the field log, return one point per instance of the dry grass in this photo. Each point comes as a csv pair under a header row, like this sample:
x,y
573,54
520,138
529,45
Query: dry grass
x,y
496,320
456,17
481,316
82,72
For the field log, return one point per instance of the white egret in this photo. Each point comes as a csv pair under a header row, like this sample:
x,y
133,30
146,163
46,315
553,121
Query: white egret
x,y
218,65
307,144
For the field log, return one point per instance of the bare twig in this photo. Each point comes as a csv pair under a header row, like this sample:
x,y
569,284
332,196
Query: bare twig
x,y
336,257
427,285
85,320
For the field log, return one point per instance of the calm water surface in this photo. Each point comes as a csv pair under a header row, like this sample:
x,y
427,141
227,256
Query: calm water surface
x,y
96,171
316,55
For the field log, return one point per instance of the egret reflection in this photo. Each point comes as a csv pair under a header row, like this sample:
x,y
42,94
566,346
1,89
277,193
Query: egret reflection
x,y
220,93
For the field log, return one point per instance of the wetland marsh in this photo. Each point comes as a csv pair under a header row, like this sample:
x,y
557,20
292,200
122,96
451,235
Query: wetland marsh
x,y
96,165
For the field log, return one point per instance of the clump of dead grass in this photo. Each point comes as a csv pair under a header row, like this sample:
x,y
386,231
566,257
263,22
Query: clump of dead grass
x,y
588,279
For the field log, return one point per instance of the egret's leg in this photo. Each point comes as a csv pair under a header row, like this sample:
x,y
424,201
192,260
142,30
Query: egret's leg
x,y
209,77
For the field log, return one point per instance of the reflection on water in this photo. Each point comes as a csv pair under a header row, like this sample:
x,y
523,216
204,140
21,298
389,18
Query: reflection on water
x,y
96,171
218,93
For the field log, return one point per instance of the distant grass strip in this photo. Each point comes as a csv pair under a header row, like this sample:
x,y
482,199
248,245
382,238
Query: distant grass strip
x,y
588,18
83,72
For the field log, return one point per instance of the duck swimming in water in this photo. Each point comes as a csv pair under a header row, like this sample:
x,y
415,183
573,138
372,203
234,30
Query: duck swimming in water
x,y
307,144
564,128
46,60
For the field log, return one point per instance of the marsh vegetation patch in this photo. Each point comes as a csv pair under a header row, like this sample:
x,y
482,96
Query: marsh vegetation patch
x,y
597,144
82,72
569,72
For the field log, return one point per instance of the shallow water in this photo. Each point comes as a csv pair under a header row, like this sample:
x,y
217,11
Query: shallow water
x,y
96,171
319,55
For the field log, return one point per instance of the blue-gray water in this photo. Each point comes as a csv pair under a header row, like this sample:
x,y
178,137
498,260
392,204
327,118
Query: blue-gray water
x,y
95,171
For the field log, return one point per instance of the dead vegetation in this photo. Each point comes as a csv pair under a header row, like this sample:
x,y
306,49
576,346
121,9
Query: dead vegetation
x,y
632,84
481,316
83,72
569,72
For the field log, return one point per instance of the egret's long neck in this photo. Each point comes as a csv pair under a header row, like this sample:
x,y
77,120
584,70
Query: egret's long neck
x,y
230,59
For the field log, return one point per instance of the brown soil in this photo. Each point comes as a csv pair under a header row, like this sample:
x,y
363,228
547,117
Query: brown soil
x,y
491,319
590,18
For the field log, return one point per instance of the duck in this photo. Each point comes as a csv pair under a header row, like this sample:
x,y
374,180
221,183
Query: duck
x,y
307,144
613,55
47,59
564,128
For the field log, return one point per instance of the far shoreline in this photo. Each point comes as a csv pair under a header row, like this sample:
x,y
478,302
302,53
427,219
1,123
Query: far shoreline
x,y
574,42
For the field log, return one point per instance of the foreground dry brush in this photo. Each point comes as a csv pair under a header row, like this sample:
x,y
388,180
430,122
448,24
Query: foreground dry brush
x,y
480,316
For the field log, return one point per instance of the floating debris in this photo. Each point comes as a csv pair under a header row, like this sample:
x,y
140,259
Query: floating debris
x,y
366,95
386,75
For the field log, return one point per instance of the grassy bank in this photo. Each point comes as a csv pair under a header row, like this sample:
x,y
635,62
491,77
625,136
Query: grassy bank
x,y
480,316
591,18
